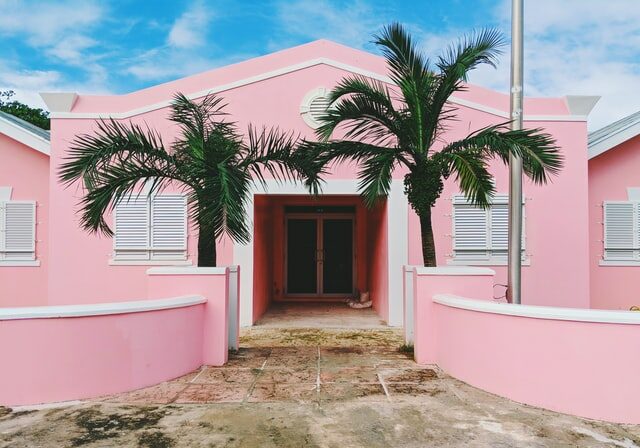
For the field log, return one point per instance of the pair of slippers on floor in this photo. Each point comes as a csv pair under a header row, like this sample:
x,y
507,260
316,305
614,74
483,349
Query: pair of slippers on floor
x,y
362,301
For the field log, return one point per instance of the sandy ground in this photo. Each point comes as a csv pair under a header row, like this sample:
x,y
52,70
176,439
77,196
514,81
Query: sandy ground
x,y
365,394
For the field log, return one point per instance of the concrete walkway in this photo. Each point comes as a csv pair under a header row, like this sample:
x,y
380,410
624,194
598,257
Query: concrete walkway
x,y
308,388
324,315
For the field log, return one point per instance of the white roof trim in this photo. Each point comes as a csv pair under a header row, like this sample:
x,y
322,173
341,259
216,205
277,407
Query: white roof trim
x,y
540,312
614,140
453,270
24,136
99,309
293,68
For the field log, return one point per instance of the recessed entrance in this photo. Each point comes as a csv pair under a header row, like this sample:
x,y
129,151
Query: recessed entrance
x,y
320,253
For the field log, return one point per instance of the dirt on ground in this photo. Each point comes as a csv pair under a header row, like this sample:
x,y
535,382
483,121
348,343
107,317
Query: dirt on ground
x,y
365,393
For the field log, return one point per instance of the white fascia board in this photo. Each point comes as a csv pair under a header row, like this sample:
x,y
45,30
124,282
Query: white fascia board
x,y
614,140
25,137
289,69
581,104
99,309
539,312
453,270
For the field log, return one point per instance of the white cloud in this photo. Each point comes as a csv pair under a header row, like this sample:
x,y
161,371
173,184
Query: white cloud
x,y
350,23
190,29
572,47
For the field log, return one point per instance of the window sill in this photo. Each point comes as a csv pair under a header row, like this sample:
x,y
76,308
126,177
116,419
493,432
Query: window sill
x,y
16,263
113,262
454,262
619,263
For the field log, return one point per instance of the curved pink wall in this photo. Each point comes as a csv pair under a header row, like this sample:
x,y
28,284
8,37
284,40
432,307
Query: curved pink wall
x,y
27,171
588,369
612,287
60,359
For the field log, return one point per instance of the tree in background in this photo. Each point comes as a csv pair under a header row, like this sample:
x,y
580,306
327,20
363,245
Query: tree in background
x,y
35,116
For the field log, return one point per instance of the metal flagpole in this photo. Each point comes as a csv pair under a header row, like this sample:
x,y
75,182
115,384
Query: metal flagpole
x,y
514,256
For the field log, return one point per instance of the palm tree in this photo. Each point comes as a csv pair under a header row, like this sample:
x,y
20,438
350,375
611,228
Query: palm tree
x,y
210,161
402,125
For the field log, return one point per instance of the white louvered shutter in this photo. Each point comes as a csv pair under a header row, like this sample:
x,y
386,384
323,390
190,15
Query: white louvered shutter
x,y
131,240
318,107
499,228
18,239
470,231
621,230
169,227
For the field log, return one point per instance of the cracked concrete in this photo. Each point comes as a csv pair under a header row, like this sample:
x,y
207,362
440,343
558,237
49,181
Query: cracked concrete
x,y
308,388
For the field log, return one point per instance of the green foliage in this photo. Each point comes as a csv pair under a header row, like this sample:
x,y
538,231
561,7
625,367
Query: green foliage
x,y
386,126
35,116
211,161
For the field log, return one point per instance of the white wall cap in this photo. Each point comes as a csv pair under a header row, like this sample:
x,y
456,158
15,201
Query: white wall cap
x,y
187,270
59,101
539,312
453,270
99,309
581,104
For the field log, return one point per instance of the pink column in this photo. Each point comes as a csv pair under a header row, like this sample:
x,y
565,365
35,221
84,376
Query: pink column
x,y
213,284
471,282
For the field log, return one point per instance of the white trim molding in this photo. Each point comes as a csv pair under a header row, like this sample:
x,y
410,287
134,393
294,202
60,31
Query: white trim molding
x,y
22,135
606,263
18,263
193,270
539,312
59,101
489,262
99,309
114,262
60,113
453,270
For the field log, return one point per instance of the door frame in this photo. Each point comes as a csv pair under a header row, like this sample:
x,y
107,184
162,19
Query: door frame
x,y
319,294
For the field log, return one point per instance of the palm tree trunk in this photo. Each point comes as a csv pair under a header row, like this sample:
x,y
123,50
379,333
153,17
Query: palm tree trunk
x,y
428,245
206,246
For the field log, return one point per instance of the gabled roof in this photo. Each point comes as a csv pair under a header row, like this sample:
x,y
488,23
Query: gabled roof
x,y
610,136
25,133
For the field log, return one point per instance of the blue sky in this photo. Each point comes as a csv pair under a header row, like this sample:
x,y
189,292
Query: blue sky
x,y
572,46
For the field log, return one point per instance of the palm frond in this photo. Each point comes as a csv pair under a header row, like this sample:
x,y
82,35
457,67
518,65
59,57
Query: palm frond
x,y
470,167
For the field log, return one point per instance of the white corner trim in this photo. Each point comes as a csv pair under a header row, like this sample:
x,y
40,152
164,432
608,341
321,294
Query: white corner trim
x,y
18,263
59,101
5,193
614,140
115,262
192,270
453,270
24,136
633,194
293,68
581,104
99,309
539,312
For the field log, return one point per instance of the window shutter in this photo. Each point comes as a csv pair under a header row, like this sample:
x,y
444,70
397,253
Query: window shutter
x,y
19,230
169,227
131,240
469,230
620,234
499,227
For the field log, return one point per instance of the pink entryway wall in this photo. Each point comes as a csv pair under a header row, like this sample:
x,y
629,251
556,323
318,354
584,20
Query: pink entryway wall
x,y
610,174
26,171
370,269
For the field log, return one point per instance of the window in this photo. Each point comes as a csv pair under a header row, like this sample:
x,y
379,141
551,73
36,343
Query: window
x,y
481,235
17,232
151,228
622,231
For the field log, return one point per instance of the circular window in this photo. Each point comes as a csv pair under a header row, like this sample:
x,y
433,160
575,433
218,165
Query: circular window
x,y
314,105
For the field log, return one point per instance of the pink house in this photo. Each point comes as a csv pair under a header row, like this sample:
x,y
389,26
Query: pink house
x,y
320,249
614,226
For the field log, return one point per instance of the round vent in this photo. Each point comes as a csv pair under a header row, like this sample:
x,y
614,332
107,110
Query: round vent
x,y
314,105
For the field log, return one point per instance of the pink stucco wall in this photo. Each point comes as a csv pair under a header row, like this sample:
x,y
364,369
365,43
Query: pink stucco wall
x,y
82,357
575,366
27,171
612,287
275,102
